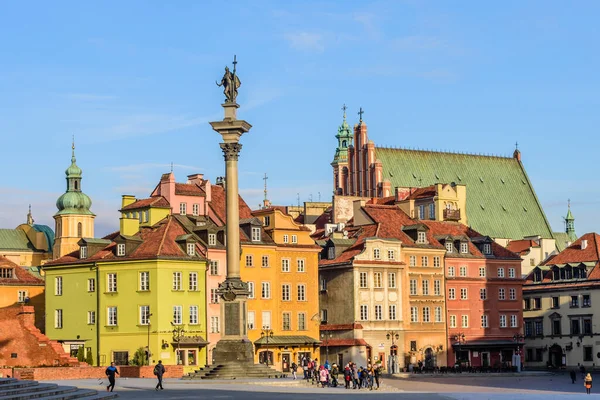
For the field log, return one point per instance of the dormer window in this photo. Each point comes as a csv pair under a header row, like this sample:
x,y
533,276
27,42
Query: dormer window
x,y
286,238
464,247
212,239
83,252
449,247
537,275
195,209
376,254
255,234
294,239
421,237
422,211
391,254
6,273
331,253
432,211
487,248
121,249
191,249
267,220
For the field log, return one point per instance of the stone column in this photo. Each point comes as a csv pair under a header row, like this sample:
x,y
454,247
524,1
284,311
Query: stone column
x,y
234,345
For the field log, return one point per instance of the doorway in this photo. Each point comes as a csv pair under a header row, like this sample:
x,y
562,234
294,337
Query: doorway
x,y
429,358
485,360
340,359
285,362
555,356
382,358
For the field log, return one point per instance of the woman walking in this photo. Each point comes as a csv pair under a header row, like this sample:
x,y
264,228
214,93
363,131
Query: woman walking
x,y
588,383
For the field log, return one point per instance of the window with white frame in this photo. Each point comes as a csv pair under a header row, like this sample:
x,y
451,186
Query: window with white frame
x,y
285,265
323,284
465,321
249,261
91,317
412,261
323,315
513,321
512,294
451,294
302,292
193,315
182,208
22,295
214,296
364,312
212,239
7,273
285,292
286,321
376,253
453,321
487,248
265,261
286,238
438,314
425,288
267,220
392,312
144,315
511,272
463,270
391,254
363,283
144,281
483,294
195,209
437,287
176,280
451,271
501,294
484,321
294,239
301,321
413,287
91,285
111,283
177,315
121,249
464,247
111,319
500,272
214,267
191,249
424,261
414,314
378,312
421,237
502,321
482,272
426,315
255,234
377,280
251,320
251,290
463,293
437,261
83,252
300,265
214,325
449,247
265,292
58,319
391,280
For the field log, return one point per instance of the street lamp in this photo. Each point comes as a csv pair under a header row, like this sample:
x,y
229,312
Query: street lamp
x,y
518,338
326,336
178,333
148,315
460,339
266,333
393,368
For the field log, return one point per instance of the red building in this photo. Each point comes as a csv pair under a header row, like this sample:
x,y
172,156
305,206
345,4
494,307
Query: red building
x,y
483,297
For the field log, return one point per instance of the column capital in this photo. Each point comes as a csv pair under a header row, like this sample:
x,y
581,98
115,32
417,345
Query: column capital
x,y
231,151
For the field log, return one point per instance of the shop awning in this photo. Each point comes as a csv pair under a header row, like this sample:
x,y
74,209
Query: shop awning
x,y
281,340
191,341
486,344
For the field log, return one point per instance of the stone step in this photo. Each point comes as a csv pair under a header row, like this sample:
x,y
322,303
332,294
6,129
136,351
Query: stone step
x,y
7,381
57,391
87,394
16,384
26,387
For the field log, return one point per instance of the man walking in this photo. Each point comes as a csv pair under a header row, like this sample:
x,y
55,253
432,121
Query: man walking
x,y
159,371
110,372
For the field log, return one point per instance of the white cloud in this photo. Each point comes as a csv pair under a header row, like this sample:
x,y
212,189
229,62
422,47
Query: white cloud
x,y
306,41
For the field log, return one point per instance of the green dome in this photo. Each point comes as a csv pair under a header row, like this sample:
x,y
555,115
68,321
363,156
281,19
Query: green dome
x,y
74,203
73,171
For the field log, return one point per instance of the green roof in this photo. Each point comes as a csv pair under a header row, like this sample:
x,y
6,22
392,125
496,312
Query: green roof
x,y
562,238
501,201
14,239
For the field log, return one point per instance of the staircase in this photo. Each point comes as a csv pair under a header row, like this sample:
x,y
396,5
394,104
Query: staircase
x,y
234,371
15,389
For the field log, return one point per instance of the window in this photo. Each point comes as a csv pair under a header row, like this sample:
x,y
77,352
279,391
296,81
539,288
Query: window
x,y
111,281
265,292
464,247
57,285
426,314
91,317
482,272
255,234
195,209
462,271
286,238
512,294
537,303
587,326
453,321
391,280
392,312
300,265
513,321
83,252
193,315
574,301
182,208
527,304
487,248
556,302
501,294
588,353
377,280
500,272
141,217
502,321
586,300
424,261
376,254
212,239
421,237
378,312
267,220
144,315
177,315
214,324
414,314
176,280
302,292
214,267
425,284
537,275
301,321
484,321
422,211
363,280
251,320
413,287
265,261
437,291
79,226
449,247
146,215
58,319
286,321
323,316
438,314
285,292
452,294
432,211
511,272
144,281
575,327
111,316
191,249
294,239
483,294
6,273
463,293
22,295
391,255
121,249
251,290
91,285
412,261
437,261
451,271
285,265
556,327
464,321
214,296
364,312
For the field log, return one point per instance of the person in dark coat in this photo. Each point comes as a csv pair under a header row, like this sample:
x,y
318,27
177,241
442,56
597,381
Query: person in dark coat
x,y
111,372
573,376
159,371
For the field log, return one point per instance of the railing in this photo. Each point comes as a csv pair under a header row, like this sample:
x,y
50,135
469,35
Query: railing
x,y
451,215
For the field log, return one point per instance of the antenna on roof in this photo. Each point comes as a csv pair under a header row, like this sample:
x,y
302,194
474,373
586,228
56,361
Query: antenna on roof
x,y
171,166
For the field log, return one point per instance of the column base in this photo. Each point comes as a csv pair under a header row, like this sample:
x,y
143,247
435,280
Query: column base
x,y
239,351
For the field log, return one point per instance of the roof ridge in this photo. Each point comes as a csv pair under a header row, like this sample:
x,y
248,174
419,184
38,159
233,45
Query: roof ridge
x,y
162,241
465,153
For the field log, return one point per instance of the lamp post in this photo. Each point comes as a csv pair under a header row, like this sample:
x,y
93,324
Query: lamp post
x,y
460,339
178,333
266,333
518,338
326,336
393,368
148,315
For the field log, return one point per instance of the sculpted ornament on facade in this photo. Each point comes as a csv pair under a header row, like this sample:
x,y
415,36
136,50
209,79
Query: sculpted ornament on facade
x,y
231,151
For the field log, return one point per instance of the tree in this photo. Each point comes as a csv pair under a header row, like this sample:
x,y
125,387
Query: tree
x,y
139,358
89,358
80,354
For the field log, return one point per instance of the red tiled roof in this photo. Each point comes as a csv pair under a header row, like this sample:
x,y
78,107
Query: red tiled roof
x,y
22,276
391,219
424,192
340,327
217,203
365,231
157,201
531,287
323,219
575,254
188,189
521,246
388,201
347,342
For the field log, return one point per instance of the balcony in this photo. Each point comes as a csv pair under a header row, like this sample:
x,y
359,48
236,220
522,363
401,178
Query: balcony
x,y
451,215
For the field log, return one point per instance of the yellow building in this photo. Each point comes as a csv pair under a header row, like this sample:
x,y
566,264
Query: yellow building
x,y
134,289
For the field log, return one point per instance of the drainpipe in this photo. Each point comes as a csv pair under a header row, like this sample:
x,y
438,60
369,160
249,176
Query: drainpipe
x,y
97,314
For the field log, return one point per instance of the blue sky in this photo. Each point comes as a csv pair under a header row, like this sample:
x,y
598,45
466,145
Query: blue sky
x,y
134,82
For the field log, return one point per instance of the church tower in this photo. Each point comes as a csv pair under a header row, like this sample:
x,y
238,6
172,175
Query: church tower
x,y
74,220
340,160
570,225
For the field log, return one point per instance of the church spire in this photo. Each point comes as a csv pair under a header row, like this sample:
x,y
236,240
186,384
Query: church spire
x,y
266,202
570,223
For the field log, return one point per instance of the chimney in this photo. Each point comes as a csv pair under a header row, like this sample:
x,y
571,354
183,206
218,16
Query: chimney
x,y
583,244
195,178
126,200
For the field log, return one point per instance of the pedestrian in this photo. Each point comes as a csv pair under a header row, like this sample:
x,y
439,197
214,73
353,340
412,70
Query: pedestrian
x,y
294,369
573,376
159,371
377,374
347,376
304,363
354,376
588,383
323,376
110,372
334,374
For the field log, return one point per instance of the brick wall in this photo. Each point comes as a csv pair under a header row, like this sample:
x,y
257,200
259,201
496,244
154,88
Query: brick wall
x,y
57,373
172,371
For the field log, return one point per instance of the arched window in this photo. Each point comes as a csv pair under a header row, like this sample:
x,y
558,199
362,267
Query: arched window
x,y
344,144
79,230
76,185
58,231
